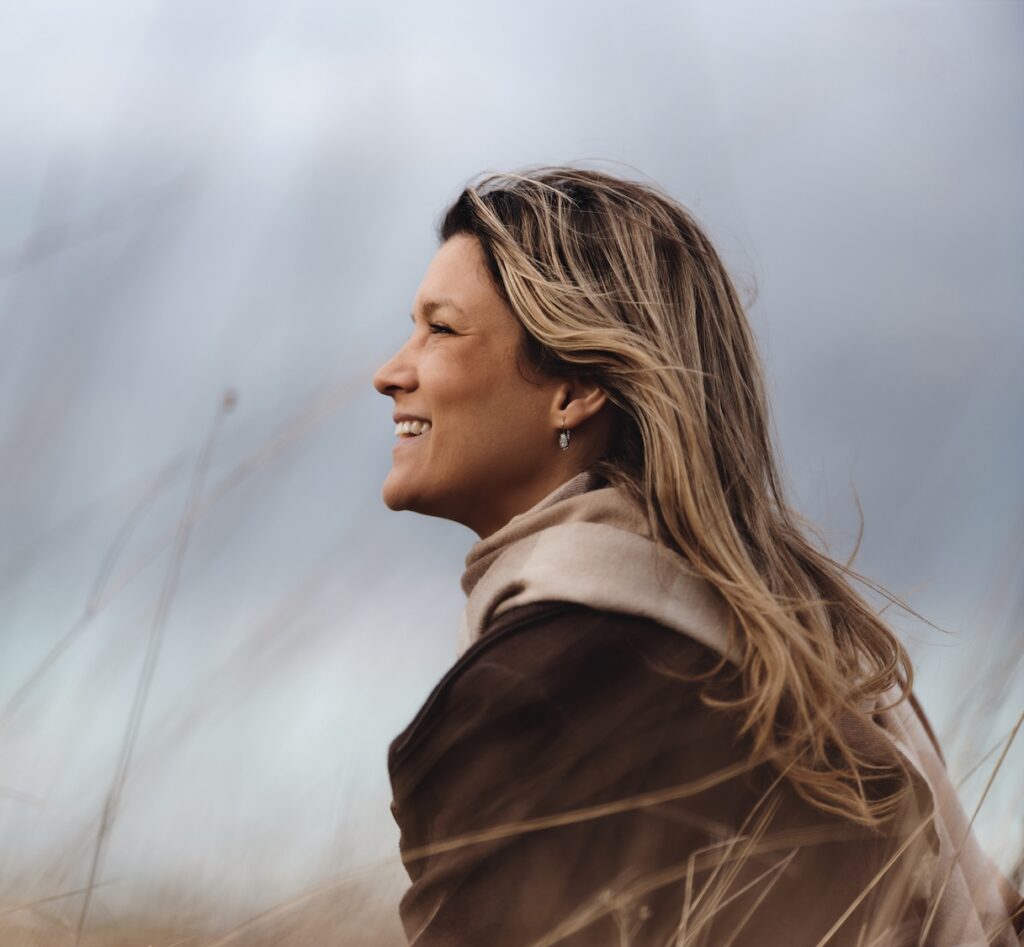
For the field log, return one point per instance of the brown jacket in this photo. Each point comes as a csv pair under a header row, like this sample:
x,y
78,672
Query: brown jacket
x,y
564,784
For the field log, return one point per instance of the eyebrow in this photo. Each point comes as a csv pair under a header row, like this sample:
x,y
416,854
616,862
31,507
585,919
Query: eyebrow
x,y
432,305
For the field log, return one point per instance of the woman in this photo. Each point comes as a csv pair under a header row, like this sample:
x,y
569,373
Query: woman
x,y
673,720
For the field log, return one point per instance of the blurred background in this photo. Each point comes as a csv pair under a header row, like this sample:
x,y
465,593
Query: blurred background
x,y
210,625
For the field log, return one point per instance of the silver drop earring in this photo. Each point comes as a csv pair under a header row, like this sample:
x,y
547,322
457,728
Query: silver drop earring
x,y
563,438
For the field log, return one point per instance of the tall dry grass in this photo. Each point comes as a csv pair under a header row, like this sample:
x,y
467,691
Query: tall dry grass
x,y
359,908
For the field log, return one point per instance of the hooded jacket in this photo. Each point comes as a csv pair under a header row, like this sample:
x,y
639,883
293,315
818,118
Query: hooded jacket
x,y
565,784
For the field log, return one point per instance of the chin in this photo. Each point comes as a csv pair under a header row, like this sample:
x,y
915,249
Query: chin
x,y
394,498
398,495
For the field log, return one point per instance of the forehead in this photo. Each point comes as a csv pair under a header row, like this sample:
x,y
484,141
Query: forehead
x,y
458,276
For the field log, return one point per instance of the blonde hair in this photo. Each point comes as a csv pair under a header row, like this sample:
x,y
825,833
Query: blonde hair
x,y
614,281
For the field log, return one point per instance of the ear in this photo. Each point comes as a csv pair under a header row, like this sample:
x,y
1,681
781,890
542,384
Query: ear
x,y
577,401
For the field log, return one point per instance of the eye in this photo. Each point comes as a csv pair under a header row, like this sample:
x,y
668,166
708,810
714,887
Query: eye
x,y
440,328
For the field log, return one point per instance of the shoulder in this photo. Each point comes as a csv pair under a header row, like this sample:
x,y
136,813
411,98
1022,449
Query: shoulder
x,y
542,770
556,654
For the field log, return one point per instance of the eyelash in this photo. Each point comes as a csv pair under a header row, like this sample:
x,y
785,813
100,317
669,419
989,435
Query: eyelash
x,y
439,328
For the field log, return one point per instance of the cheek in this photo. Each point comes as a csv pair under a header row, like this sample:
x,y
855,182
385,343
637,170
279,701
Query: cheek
x,y
505,426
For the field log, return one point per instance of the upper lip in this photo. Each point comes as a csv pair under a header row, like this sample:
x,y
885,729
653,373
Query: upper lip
x,y
400,416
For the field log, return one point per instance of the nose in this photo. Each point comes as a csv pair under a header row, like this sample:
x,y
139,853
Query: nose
x,y
398,373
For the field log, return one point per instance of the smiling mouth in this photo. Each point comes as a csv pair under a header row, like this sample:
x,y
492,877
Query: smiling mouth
x,y
412,428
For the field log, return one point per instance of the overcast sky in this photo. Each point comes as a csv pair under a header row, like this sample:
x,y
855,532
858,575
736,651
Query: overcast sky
x,y
203,196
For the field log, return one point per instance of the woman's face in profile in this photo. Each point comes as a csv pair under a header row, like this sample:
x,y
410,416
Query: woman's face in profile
x,y
491,449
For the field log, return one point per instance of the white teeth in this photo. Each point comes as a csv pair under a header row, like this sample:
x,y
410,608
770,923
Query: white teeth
x,y
411,428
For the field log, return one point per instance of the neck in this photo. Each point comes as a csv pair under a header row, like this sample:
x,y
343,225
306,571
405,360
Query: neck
x,y
496,514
